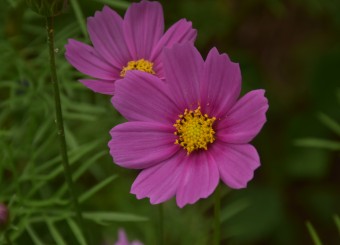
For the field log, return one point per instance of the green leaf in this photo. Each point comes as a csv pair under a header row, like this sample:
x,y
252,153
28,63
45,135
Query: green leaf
x,y
76,231
96,188
82,107
41,133
46,202
70,138
80,17
330,123
318,143
79,116
233,209
115,3
313,234
55,233
80,171
33,235
102,217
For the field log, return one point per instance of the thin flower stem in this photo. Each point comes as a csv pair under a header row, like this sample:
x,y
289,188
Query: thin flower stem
x,y
217,210
161,224
60,124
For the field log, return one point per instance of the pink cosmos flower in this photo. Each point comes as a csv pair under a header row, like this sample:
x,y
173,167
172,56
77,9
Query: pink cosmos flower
x,y
119,45
122,239
190,131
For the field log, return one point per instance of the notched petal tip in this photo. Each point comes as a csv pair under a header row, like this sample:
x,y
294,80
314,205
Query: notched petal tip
x,y
237,163
259,95
146,3
106,8
213,52
185,24
223,57
97,13
180,204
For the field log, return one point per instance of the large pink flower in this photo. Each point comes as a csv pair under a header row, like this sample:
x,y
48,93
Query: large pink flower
x,y
189,131
119,45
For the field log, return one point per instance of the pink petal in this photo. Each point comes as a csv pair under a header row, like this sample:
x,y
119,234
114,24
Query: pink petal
x,y
99,86
245,119
142,144
122,238
143,27
221,84
180,32
106,33
236,163
199,179
183,66
86,60
144,97
160,182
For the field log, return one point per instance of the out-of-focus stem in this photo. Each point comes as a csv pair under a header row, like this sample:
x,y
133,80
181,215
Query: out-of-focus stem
x,y
217,210
161,224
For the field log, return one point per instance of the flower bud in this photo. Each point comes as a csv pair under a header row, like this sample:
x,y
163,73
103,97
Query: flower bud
x,y
47,7
4,216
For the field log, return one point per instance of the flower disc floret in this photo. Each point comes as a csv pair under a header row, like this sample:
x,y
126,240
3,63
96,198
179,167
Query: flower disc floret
x,y
194,130
140,65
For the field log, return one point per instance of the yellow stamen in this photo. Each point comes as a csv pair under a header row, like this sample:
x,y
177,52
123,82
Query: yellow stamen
x,y
194,130
141,65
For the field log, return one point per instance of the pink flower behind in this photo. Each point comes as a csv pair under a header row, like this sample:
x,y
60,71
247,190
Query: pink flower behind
x,y
122,239
119,45
190,131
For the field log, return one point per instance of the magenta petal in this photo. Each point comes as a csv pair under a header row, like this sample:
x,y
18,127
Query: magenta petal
x,y
236,163
142,144
160,182
199,179
245,119
106,33
86,60
99,86
144,97
220,84
143,27
180,32
122,238
183,66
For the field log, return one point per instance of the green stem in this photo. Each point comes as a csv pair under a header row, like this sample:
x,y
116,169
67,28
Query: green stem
x,y
60,124
161,224
217,210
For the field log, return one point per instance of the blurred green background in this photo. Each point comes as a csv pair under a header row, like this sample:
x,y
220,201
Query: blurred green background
x,y
290,48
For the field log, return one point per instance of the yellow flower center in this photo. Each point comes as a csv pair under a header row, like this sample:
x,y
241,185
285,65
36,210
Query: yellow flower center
x,y
194,130
141,65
